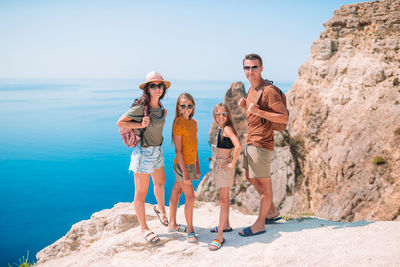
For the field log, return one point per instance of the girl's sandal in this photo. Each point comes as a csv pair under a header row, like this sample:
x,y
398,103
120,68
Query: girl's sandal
x,y
215,244
181,228
150,237
191,237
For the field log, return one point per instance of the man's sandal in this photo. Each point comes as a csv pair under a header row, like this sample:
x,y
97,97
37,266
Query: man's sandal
x,y
215,244
161,216
248,232
150,237
272,220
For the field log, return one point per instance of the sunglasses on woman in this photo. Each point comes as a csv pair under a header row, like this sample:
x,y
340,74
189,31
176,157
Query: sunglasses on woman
x,y
223,114
154,86
190,106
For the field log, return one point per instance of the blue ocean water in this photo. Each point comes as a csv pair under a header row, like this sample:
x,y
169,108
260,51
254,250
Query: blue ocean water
x,y
62,158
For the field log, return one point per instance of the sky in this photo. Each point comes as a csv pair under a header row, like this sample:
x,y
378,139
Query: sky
x,y
186,40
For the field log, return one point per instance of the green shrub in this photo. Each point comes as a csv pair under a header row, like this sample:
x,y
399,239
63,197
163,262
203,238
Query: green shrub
x,y
396,82
378,160
287,218
397,131
237,170
306,214
242,188
23,262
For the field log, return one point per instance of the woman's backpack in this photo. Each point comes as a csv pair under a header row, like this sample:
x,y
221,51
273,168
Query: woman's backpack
x,y
129,136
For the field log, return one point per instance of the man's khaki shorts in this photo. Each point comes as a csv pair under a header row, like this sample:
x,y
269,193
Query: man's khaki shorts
x,y
257,161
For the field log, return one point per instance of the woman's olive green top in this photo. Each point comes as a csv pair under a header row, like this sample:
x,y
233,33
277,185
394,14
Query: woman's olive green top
x,y
152,135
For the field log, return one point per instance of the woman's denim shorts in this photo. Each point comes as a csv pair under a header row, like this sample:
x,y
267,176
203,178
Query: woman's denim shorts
x,y
146,159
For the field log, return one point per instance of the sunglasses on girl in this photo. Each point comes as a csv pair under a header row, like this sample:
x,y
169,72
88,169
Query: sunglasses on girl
x,y
190,106
154,86
223,114
247,68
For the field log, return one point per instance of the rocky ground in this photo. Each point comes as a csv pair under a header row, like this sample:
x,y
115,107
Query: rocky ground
x,y
112,238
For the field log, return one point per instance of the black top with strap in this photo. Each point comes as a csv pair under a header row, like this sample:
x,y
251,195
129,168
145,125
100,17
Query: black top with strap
x,y
225,143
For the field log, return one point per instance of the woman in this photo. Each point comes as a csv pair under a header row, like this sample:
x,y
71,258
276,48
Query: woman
x,y
147,157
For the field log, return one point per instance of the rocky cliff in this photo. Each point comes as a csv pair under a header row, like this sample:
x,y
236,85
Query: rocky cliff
x,y
341,155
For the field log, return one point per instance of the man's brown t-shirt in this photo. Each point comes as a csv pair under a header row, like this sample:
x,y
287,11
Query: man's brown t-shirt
x,y
260,130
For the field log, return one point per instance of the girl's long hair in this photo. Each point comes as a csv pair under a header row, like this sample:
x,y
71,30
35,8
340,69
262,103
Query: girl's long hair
x,y
177,113
228,122
145,98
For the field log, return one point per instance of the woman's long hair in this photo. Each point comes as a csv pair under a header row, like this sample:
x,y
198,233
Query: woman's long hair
x,y
228,122
145,98
177,113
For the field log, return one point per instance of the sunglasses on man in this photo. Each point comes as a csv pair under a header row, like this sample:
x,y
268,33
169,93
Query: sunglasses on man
x,y
154,86
190,106
247,68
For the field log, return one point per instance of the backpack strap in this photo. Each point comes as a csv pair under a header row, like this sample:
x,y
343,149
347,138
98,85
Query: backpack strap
x,y
259,93
146,110
258,96
162,107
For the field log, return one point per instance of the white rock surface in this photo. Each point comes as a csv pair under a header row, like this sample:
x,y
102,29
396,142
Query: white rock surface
x,y
112,238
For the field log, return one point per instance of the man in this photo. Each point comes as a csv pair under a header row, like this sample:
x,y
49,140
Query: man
x,y
260,141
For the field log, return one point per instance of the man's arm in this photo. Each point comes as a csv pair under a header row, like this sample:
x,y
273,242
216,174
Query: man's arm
x,y
278,114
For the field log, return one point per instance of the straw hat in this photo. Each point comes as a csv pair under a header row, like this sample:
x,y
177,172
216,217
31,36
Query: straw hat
x,y
154,76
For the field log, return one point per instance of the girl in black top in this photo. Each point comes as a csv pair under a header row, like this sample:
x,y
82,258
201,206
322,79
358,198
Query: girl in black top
x,y
224,168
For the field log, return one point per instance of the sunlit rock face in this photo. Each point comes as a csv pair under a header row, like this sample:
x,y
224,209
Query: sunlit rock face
x,y
345,110
340,157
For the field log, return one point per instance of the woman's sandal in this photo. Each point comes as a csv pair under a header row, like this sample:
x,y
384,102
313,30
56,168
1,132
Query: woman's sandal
x,y
191,237
150,237
215,244
161,216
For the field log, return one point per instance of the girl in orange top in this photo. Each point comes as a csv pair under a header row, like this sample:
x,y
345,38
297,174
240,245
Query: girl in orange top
x,y
186,164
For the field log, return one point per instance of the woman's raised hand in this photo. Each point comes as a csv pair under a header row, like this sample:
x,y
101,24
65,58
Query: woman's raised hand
x,y
145,121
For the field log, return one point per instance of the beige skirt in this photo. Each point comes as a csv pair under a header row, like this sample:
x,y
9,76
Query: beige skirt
x,y
223,177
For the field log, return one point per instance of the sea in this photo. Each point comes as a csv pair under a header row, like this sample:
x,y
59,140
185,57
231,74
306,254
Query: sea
x,y
62,157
